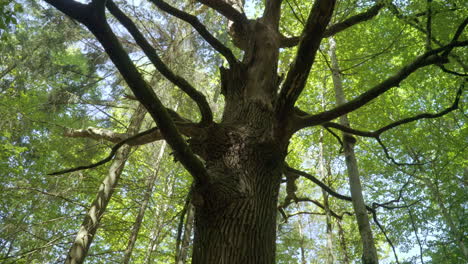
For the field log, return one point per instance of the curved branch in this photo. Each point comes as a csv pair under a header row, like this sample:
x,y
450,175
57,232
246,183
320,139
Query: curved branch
x,y
338,27
426,59
378,132
184,85
199,27
374,215
110,156
312,35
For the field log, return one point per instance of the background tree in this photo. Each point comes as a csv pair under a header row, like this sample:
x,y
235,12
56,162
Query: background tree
x,y
277,93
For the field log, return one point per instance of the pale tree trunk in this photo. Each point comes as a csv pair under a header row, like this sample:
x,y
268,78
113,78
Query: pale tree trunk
x,y
157,234
90,224
369,255
302,243
150,181
323,176
185,245
343,245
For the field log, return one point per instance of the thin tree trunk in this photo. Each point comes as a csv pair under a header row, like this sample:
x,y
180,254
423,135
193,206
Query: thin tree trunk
x,y
90,224
144,204
369,255
301,234
323,176
157,234
344,247
184,247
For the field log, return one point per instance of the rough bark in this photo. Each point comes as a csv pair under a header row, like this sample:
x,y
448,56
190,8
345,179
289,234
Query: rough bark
x,y
90,224
369,255
144,204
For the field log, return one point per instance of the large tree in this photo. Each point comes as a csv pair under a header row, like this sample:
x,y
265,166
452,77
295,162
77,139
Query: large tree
x,y
237,162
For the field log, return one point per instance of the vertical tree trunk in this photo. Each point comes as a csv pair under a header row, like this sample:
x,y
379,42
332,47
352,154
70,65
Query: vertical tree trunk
x,y
144,204
323,176
90,224
157,233
184,247
369,255
302,243
344,247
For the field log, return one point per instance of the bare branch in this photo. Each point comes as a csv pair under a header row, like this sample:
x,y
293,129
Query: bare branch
x,y
184,85
312,35
338,27
199,27
428,58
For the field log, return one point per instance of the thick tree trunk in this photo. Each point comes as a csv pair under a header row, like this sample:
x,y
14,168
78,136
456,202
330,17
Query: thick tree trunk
x,y
369,252
236,221
235,217
90,224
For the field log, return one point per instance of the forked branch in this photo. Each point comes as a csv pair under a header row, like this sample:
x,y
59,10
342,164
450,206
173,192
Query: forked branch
x,y
184,85
94,19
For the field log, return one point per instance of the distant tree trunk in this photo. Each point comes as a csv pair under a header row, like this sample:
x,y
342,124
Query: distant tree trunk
x,y
144,204
157,233
302,243
344,247
323,176
185,245
90,224
369,255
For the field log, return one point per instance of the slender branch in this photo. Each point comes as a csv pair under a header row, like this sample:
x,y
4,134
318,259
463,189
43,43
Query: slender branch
x,y
184,85
374,215
312,35
317,203
341,26
109,157
322,185
378,132
426,59
199,27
